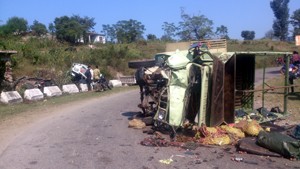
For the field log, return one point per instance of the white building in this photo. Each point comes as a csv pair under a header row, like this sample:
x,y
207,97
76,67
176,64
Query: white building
x,y
94,38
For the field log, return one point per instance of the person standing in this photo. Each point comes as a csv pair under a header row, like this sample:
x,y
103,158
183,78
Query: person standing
x,y
92,78
296,58
88,79
96,74
292,74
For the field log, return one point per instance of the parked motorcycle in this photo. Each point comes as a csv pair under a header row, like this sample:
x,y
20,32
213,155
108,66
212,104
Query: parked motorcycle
x,y
102,84
32,82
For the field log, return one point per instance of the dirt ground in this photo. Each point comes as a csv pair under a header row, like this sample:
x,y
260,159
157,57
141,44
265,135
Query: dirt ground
x,y
275,98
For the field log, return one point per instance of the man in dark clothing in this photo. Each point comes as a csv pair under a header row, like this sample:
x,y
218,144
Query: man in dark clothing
x,y
292,74
296,58
88,79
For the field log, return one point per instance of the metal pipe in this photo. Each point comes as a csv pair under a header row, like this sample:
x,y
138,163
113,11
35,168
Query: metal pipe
x,y
263,86
287,66
271,88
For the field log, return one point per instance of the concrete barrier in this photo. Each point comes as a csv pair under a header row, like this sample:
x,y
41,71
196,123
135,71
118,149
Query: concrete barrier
x,y
127,80
70,88
51,91
83,87
11,97
33,94
115,83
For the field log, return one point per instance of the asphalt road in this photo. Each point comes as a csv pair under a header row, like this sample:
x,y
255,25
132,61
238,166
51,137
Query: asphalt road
x,y
94,134
270,73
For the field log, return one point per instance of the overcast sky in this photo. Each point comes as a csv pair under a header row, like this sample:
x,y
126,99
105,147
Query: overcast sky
x,y
236,15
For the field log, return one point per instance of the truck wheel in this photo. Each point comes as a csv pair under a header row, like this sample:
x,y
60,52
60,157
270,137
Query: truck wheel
x,y
143,63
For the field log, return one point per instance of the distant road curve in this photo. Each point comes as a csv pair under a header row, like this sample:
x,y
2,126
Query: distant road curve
x,y
270,73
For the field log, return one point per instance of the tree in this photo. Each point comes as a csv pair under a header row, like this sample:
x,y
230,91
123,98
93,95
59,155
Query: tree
x,y
3,30
38,29
128,31
269,34
248,35
125,31
195,27
295,21
280,24
151,37
51,28
170,31
222,32
14,25
109,32
72,29
87,25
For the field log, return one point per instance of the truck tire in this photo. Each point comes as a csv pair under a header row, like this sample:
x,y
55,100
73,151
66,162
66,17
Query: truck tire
x,y
143,63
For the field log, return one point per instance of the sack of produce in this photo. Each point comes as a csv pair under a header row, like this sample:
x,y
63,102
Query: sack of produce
x,y
252,128
220,140
235,132
136,124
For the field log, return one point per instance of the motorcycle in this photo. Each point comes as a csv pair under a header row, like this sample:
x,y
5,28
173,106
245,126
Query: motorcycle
x,y
102,84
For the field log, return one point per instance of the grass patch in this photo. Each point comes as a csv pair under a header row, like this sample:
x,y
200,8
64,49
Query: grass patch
x,y
14,109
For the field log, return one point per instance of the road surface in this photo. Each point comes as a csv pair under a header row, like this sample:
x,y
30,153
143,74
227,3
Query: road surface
x,y
270,73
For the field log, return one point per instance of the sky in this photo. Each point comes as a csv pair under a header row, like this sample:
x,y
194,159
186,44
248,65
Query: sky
x,y
236,15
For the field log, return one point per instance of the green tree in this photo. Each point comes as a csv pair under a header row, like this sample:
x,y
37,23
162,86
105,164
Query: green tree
x,y
3,30
151,37
222,32
72,29
87,25
38,28
248,35
195,27
109,32
128,31
170,31
269,34
14,25
281,23
295,21
51,28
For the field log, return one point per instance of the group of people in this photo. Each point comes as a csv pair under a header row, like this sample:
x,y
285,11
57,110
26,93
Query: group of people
x,y
92,75
293,69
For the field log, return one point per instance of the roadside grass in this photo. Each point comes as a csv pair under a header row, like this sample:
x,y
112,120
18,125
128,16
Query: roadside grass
x,y
8,110
274,98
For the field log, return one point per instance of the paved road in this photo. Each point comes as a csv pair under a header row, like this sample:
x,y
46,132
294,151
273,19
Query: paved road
x,y
94,135
269,74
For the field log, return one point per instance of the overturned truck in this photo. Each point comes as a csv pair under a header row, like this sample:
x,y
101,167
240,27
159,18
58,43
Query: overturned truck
x,y
197,83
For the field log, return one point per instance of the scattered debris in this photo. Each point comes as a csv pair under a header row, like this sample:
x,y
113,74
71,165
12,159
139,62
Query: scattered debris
x,y
248,144
296,132
167,161
238,159
155,142
280,143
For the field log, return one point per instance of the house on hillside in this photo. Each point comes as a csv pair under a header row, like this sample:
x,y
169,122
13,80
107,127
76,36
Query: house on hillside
x,y
93,37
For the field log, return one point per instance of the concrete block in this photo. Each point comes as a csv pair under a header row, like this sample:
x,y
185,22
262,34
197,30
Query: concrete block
x,y
51,91
115,83
11,97
83,87
33,94
70,88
